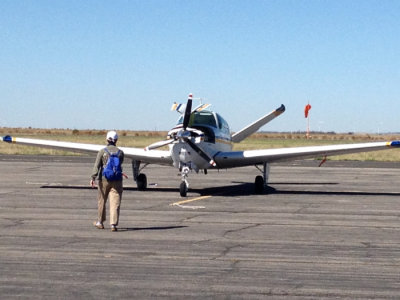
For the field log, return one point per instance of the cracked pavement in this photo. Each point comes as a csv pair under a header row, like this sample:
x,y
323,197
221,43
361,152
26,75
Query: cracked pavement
x,y
330,232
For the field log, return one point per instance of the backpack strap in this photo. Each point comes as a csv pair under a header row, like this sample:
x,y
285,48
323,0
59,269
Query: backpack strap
x,y
117,153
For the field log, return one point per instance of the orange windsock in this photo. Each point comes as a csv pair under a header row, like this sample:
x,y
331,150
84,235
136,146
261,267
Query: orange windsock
x,y
306,110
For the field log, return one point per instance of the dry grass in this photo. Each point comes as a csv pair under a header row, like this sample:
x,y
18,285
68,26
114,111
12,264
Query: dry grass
x,y
143,138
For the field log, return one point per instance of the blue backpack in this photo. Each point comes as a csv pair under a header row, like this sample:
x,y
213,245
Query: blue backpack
x,y
112,170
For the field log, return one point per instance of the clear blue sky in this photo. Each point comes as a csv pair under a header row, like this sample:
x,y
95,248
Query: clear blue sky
x,y
120,64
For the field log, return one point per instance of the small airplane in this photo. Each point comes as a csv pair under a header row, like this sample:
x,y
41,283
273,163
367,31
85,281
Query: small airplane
x,y
202,140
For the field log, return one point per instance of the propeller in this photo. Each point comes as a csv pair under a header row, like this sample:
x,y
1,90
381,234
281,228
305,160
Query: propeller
x,y
185,135
204,155
186,119
188,112
159,144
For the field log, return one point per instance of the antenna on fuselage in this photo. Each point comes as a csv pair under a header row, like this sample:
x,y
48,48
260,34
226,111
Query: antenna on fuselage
x,y
199,99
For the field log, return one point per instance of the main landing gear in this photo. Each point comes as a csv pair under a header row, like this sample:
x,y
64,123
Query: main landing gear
x,y
140,178
261,182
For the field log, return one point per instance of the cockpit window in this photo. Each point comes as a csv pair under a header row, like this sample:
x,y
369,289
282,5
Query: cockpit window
x,y
221,122
204,118
223,125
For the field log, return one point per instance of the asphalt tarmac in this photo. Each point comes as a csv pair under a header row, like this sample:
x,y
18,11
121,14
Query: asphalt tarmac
x,y
322,233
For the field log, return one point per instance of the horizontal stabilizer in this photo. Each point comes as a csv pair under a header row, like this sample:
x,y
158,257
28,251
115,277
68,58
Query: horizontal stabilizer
x,y
253,127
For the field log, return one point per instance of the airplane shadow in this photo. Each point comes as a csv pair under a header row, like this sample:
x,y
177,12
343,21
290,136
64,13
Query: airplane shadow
x,y
67,187
80,187
294,183
150,228
334,193
247,189
244,189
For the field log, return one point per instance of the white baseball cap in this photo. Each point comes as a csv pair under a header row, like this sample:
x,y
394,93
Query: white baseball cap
x,y
112,136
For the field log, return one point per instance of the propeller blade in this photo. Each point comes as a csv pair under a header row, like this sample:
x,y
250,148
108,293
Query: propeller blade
x,y
188,112
204,155
159,144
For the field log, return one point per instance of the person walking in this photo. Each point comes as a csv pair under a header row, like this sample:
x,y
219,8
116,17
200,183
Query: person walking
x,y
108,170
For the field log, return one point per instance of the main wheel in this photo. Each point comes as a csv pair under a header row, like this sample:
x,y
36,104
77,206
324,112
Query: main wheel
x,y
141,182
183,189
259,185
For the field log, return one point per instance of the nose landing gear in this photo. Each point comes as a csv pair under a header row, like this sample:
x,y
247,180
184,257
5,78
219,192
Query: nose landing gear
x,y
184,186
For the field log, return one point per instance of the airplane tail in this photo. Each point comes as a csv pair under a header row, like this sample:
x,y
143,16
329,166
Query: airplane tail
x,y
253,127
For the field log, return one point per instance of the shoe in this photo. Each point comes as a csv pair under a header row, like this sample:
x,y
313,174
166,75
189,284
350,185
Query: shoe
x,y
98,225
114,228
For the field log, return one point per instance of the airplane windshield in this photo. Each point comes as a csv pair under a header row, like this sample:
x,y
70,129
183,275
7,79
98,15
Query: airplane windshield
x,y
201,118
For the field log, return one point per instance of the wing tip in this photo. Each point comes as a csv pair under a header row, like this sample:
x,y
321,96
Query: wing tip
x,y
8,139
280,110
393,144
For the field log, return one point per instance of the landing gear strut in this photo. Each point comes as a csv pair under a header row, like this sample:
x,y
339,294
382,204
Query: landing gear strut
x,y
140,178
261,182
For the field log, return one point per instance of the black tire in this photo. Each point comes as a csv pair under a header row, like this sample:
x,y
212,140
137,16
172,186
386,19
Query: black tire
x,y
259,185
141,182
183,189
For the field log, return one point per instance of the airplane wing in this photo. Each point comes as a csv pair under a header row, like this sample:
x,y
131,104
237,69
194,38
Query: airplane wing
x,y
223,159
152,157
253,157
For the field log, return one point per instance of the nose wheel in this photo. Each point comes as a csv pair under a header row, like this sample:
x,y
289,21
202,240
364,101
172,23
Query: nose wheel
x,y
184,186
